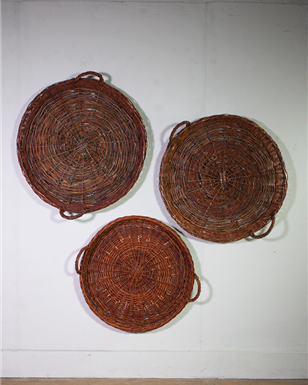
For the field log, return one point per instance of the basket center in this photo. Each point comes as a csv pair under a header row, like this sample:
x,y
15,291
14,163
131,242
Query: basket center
x,y
223,179
82,144
217,184
82,147
136,272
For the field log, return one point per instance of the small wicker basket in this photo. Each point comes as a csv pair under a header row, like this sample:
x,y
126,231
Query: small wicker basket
x,y
81,145
222,178
136,274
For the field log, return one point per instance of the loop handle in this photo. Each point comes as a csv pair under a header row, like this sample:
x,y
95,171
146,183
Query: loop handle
x,y
70,217
78,270
89,73
253,235
199,289
186,122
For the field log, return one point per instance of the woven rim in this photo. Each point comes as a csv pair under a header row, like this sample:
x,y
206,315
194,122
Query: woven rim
x,y
81,145
222,178
136,274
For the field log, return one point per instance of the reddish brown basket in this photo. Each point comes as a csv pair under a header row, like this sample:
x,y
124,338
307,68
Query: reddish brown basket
x,y
136,274
81,145
222,178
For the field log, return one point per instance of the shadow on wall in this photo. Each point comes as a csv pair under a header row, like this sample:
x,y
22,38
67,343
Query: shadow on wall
x,y
163,146
281,216
14,156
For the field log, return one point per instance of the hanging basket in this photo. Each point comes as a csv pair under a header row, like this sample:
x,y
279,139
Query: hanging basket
x,y
222,178
136,274
81,145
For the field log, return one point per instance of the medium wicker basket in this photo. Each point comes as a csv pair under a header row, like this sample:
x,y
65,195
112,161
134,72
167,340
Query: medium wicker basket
x,y
81,145
136,274
222,178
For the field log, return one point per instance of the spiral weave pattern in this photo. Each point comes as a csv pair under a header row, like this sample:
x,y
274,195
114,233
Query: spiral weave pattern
x,y
81,145
136,274
222,178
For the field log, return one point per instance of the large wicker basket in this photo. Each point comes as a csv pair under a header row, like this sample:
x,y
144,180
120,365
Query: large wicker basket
x,y
136,274
222,178
81,145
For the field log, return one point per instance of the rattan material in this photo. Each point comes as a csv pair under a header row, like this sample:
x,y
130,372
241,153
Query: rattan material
x,y
81,145
136,274
222,178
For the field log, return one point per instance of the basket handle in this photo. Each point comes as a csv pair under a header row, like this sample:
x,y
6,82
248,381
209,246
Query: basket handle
x,y
199,289
70,217
186,122
89,73
78,270
253,235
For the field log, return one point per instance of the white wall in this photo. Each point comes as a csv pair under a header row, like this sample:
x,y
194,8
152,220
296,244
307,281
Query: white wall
x,y
178,61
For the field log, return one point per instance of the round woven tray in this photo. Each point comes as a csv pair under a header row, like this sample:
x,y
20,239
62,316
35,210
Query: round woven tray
x,y
81,145
222,178
136,274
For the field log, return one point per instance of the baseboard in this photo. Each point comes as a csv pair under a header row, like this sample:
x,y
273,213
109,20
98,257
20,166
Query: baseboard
x,y
155,364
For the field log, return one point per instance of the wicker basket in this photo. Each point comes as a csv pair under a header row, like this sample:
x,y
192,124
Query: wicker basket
x,y
136,274
81,145
222,178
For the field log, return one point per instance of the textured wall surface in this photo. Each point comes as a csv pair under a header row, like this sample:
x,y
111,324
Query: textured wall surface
x,y
176,61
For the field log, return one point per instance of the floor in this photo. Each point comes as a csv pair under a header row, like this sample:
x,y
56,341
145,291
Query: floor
x,y
145,381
